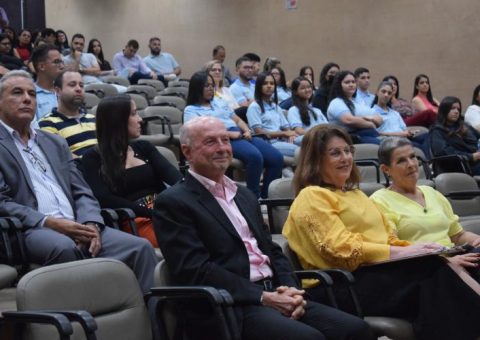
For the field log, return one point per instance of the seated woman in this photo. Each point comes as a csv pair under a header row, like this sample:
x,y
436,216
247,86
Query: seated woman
x,y
62,42
472,115
283,93
95,48
216,71
333,224
302,115
393,124
450,136
423,102
358,119
307,72
267,118
419,213
24,46
254,152
123,172
321,97
7,57
404,107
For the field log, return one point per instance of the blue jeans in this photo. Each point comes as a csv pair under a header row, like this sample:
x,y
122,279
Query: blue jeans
x,y
286,148
257,154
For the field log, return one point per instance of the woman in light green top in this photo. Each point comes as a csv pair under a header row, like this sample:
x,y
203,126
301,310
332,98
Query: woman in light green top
x,y
420,213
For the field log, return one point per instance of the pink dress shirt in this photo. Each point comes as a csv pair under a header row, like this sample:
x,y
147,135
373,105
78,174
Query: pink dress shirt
x,y
224,194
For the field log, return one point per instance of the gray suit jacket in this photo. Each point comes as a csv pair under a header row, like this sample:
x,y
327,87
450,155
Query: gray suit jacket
x,y
17,196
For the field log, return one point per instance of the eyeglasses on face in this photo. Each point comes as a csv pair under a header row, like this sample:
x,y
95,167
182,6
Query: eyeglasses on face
x,y
58,62
338,152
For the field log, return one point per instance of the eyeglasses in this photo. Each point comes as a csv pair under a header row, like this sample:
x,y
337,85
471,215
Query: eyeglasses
x,y
35,159
6,43
209,86
58,62
216,70
337,152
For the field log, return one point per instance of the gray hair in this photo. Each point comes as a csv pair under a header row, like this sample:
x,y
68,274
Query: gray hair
x,y
13,74
187,129
388,145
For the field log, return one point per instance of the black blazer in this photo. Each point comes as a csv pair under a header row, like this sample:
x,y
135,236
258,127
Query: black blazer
x,y
202,247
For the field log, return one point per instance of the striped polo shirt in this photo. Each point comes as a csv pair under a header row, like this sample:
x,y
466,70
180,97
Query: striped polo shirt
x,y
79,131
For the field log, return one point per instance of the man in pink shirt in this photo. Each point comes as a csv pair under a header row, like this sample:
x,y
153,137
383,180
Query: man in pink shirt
x,y
211,233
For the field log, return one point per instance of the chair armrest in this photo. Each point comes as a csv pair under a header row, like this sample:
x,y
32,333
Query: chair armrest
x,y
230,315
274,202
340,275
450,163
324,279
148,119
17,227
169,126
84,318
6,245
459,195
110,217
129,215
61,323
370,162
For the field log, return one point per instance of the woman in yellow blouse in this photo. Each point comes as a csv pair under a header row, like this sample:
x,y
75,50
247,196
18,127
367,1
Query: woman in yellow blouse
x,y
333,224
420,213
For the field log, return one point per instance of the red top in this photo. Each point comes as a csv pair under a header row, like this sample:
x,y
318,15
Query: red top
x,y
23,52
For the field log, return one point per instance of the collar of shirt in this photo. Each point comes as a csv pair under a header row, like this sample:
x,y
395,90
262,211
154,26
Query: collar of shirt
x,y
41,89
80,115
14,134
226,190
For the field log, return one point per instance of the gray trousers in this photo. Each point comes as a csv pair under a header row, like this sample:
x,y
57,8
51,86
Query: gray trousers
x,y
46,246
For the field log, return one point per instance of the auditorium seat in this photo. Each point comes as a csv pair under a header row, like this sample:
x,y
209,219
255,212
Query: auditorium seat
x,y
177,102
116,80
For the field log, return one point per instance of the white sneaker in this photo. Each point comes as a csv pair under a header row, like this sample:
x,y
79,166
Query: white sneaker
x,y
287,172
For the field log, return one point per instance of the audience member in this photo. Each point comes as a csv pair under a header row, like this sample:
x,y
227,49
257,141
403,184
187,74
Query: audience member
x,y
162,63
60,215
12,35
283,93
49,36
212,233
363,96
422,95
270,64
333,224
242,88
255,59
266,117
393,124
302,115
95,48
62,42
254,152
129,64
472,115
321,97
219,54
48,64
420,213
24,46
124,172
7,58
357,119
307,72
215,69
450,136
84,63
70,120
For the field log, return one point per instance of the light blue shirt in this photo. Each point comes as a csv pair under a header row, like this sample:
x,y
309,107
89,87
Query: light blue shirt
x,y
392,120
87,60
273,119
365,98
242,92
164,63
218,109
283,94
337,108
51,199
134,64
46,101
295,120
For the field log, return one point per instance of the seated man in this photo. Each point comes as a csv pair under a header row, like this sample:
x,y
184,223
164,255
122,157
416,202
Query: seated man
x,y
211,233
70,120
41,186
129,64
362,78
162,63
243,89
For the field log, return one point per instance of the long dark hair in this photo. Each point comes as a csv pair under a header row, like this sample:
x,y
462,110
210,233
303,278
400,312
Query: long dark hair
x,y
323,74
283,81
303,107
337,91
475,96
90,49
6,36
195,87
429,93
395,79
445,106
382,84
29,47
258,89
58,43
112,135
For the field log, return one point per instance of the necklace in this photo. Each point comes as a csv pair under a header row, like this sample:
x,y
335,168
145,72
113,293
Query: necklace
x,y
417,196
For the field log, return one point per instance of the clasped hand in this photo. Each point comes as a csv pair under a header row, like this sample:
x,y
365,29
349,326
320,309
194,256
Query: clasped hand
x,y
287,300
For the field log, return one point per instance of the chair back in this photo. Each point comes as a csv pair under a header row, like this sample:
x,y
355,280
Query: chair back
x,y
174,116
178,83
101,90
280,188
140,101
91,100
156,84
147,91
169,155
180,91
366,159
116,80
461,190
177,102
105,288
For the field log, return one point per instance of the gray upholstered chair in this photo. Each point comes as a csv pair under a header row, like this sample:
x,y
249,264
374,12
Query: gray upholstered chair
x,y
175,101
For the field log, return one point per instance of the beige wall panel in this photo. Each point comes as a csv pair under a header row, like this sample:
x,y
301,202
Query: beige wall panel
x,y
402,37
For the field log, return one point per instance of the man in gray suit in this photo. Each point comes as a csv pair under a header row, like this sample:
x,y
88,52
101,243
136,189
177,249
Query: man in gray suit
x,y
40,185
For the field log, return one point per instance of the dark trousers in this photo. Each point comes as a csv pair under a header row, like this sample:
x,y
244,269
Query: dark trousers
x,y
423,290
